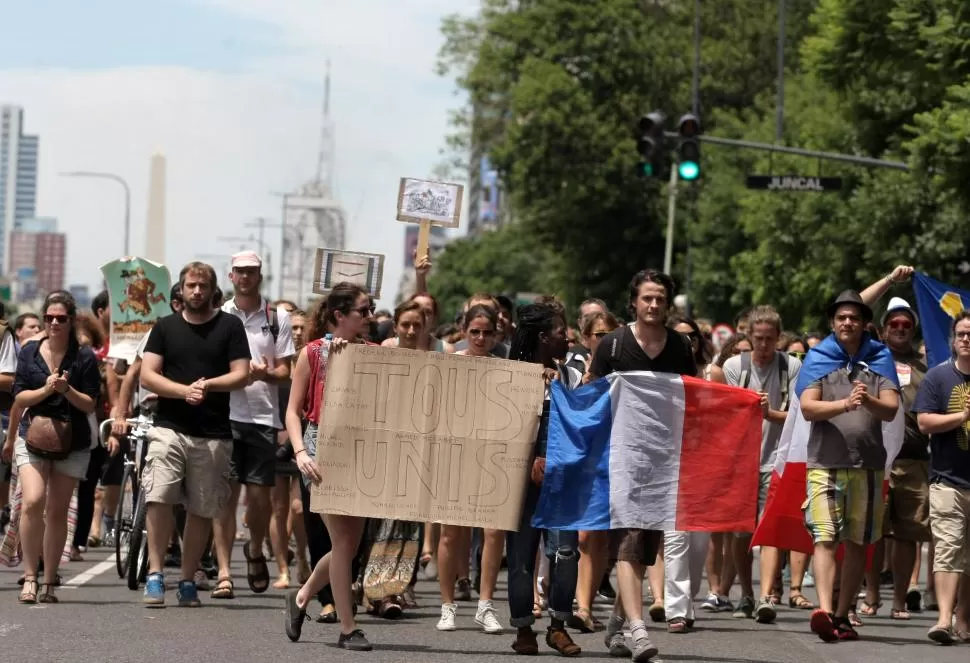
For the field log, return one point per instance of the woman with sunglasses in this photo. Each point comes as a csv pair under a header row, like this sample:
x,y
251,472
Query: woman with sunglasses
x,y
59,379
480,327
593,546
347,313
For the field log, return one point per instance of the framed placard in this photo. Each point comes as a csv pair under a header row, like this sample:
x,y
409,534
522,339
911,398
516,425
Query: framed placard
x,y
363,269
426,200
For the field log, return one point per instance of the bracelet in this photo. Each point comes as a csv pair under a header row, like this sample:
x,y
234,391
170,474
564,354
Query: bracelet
x,y
845,405
299,452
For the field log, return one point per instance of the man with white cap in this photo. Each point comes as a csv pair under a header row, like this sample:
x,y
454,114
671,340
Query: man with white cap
x,y
255,420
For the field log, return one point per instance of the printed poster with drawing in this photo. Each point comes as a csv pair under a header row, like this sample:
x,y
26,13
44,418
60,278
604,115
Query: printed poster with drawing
x,y
425,200
138,291
427,437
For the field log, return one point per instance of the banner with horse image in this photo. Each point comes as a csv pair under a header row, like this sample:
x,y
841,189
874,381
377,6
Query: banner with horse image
x,y
138,290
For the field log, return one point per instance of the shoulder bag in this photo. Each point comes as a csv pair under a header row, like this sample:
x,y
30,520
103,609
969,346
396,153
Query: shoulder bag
x,y
49,438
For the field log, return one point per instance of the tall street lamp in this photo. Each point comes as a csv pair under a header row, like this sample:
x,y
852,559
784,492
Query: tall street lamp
x,y
120,180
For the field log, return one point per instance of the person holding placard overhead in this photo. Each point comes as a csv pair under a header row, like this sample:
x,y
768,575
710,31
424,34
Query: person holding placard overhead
x,y
348,311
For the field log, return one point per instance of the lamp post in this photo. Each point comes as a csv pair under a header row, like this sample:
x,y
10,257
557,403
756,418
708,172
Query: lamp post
x,y
120,180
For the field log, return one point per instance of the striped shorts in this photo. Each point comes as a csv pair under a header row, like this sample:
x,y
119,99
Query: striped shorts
x,y
844,505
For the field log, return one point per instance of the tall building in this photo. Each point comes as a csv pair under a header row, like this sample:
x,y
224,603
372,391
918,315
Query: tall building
x,y
485,199
155,231
37,260
18,178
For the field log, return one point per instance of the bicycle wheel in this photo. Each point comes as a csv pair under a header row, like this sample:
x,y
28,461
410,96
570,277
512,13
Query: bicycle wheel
x,y
123,518
137,545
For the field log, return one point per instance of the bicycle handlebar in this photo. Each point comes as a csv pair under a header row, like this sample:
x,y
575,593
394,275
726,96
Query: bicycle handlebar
x,y
139,423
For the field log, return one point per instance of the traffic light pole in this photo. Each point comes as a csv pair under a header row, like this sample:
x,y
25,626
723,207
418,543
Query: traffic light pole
x,y
671,215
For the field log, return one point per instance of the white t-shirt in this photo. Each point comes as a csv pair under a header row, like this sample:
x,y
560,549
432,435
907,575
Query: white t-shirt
x,y
8,355
259,402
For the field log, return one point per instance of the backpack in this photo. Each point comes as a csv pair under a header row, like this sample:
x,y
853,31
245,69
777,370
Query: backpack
x,y
782,375
273,320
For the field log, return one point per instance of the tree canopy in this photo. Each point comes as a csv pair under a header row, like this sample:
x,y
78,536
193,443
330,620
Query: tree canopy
x,y
555,88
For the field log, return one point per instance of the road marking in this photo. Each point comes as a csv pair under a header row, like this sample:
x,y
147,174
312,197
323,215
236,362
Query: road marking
x,y
90,574
7,628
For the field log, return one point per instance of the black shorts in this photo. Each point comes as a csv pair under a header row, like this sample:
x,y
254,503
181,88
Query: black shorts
x,y
253,454
113,468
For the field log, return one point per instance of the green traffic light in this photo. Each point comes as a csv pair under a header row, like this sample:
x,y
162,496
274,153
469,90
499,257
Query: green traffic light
x,y
646,169
688,170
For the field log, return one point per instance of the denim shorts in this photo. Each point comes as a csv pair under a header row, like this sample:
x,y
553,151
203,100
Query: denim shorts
x,y
75,465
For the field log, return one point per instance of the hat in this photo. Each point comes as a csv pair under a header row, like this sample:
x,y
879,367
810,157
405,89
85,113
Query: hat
x,y
246,259
850,297
899,305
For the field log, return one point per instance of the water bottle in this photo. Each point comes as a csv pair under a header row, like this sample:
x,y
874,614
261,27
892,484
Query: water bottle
x,y
325,348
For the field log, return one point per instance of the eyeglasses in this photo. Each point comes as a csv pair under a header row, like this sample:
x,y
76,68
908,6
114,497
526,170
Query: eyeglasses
x,y
600,334
59,319
366,310
797,355
962,335
486,333
901,324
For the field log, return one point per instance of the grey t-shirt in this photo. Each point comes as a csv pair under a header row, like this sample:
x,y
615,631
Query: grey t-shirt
x,y
851,439
767,379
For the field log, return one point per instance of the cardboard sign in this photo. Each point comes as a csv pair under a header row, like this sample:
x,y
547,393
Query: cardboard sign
x,y
138,292
425,200
427,437
363,269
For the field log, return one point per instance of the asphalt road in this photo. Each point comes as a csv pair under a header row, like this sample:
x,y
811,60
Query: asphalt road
x,y
100,620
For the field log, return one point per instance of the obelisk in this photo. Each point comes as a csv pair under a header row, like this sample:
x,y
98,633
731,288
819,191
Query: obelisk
x,y
155,228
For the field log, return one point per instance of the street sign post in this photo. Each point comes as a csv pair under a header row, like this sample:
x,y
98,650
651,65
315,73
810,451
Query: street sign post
x,y
794,183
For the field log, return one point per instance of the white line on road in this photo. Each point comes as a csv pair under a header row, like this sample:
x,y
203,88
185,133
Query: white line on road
x,y
90,574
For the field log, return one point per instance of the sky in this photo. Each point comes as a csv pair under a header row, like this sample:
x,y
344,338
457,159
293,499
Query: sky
x,y
230,91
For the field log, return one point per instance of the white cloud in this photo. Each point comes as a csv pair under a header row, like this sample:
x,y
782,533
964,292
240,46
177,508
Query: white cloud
x,y
233,138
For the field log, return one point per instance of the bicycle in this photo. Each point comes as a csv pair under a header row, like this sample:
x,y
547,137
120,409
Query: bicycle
x,y
130,532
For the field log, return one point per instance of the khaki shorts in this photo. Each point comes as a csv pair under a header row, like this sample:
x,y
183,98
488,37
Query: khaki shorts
x,y
949,517
908,509
181,469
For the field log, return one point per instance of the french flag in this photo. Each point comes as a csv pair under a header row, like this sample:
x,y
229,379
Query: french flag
x,y
650,450
782,524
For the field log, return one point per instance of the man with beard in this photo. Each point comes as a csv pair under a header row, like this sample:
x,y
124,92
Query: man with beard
x,y
192,361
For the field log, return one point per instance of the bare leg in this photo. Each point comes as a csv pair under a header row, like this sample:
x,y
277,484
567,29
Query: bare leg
x,y
193,543
160,523
224,528
280,501
259,508
299,530
825,575
743,560
33,483
715,562
453,547
853,569
492,549
872,576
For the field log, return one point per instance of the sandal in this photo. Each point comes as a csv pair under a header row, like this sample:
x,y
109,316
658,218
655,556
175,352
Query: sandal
x,y
29,593
47,596
798,601
282,581
537,609
869,609
854,619
259,579
901,615
224,589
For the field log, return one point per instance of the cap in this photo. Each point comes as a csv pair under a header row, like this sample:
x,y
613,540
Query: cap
x,y
246,259
850,297
899,305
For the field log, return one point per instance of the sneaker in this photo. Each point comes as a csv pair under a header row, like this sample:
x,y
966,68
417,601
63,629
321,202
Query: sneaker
x,y
354,641
809,579
745,608
188,595
929,600
486,618
643,649
616,644
295,616
558,639
447,621
463,591
913,603
201,580
765,614
154,591
716,603
606,591
823,626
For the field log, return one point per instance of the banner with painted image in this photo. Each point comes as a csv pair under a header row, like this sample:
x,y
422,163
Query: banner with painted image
x,y
138,290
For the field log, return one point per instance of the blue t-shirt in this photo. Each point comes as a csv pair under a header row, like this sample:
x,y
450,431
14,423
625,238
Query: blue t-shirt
x,y
944,391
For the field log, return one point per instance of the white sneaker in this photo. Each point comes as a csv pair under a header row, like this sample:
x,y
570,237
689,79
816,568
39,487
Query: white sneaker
x,y
447,621
201,580
485,617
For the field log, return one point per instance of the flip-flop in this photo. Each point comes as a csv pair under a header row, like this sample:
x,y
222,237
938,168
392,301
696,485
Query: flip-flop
x,y
900,615
258,581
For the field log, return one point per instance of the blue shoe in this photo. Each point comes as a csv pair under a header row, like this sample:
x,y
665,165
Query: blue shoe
x,y
154,591
188,595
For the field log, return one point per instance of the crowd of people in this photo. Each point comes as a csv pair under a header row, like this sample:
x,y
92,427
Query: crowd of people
x,y
235,390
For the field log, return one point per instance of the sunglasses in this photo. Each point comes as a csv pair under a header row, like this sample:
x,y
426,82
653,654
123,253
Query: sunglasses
x,y
487,333
59,319
366,310
962,335
600,334
901,324
797,355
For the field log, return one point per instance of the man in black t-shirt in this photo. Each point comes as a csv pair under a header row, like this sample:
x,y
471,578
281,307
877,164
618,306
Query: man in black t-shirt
x,y
192,361
645,345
